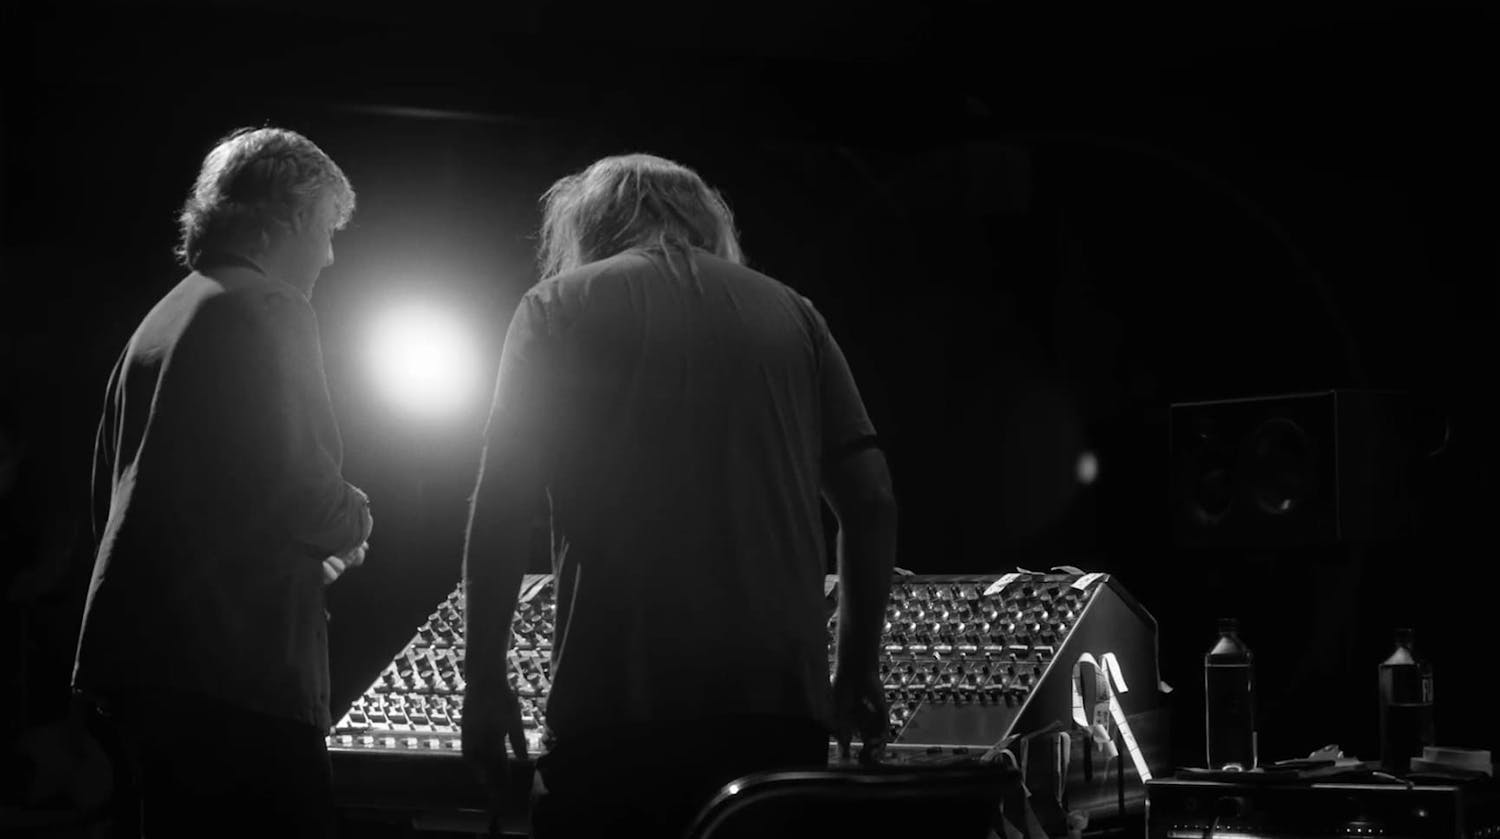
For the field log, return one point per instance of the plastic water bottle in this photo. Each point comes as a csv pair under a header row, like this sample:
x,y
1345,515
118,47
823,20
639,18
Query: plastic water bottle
x,y
1405,705
1229,706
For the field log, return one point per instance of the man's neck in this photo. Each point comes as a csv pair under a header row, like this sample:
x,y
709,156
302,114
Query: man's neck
x,y
238,268
224,259
275,266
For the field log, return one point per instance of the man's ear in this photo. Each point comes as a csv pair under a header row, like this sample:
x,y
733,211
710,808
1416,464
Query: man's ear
x,y
302,220
265,238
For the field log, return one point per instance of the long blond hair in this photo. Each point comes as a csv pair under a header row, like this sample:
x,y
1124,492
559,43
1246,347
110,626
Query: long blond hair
x,y
633,200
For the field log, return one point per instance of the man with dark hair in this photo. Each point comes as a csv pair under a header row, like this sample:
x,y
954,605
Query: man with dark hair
x,y
683,415
204,638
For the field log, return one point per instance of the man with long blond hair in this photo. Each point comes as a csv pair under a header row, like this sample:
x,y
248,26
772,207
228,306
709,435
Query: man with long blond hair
x,y
204,643
683,415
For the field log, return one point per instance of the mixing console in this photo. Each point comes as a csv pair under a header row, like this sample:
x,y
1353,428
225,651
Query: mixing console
x,y
969,642
968,662
984,642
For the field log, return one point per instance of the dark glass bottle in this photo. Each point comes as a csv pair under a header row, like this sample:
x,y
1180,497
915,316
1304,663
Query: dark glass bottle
x,y
1229,701
1406,719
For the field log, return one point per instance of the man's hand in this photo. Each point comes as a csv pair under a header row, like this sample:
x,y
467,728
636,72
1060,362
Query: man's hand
x,y
859,708
335,566
490,717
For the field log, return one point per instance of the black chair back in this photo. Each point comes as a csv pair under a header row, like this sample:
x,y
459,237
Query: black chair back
x,y
954,802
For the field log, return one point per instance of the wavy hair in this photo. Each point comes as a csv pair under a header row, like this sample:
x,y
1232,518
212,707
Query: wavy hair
x,y
254,185
633,200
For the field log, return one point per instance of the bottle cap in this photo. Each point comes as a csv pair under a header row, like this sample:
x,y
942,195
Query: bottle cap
x,y
1404,637
1229,624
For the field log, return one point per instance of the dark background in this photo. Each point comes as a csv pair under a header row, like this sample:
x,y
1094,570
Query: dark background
x,y
1031,231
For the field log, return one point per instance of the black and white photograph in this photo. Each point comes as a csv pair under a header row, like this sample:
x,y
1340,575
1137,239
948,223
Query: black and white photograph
x,y
714,420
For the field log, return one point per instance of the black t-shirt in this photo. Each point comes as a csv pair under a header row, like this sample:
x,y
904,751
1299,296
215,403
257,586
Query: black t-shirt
x,y
685,412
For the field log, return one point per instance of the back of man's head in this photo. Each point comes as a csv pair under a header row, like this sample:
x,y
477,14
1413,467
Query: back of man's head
x,y
631,201
255,185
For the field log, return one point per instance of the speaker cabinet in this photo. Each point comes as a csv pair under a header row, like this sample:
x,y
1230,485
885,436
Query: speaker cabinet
x,y
1291,470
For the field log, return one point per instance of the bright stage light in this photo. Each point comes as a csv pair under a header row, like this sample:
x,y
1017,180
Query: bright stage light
x,y
423,360
1088,468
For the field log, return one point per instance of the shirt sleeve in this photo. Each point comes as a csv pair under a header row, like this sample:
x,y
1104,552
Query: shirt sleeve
x,y
846,425
520,430
320,510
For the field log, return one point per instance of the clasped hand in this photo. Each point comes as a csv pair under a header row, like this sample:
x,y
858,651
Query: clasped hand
x,y
335,566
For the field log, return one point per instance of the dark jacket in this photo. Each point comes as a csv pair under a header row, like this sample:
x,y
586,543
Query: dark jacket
x,y
219,457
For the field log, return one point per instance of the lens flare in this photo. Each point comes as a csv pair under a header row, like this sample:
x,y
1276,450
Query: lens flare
x,y
424,361
1088,468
